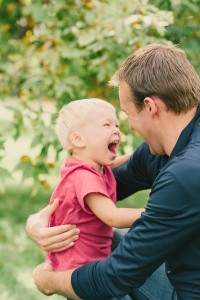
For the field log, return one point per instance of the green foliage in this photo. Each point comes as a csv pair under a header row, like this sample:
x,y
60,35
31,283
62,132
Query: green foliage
x,y
4,173
53,52
185,31
65,50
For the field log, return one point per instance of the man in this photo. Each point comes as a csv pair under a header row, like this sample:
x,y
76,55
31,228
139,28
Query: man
x,y
159,91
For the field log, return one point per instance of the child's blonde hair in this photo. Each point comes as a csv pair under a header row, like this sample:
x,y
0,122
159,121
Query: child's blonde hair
x,y
73,115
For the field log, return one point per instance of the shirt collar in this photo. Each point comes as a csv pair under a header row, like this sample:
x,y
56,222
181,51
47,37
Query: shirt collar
x,y
185,135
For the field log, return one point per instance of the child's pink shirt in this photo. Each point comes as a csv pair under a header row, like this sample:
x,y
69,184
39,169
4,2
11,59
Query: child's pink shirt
x,y
77,179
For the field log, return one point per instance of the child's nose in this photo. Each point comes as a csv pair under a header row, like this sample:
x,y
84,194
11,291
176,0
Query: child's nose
x,y
116,130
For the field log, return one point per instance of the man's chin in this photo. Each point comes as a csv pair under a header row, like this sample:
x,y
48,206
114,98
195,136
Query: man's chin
x,y
153,152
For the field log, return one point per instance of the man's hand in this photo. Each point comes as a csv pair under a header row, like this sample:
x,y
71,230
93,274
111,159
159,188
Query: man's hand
x,y
49,282
40,275
54,239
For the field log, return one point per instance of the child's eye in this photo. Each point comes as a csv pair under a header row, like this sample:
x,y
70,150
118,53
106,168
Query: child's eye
x,y
106,124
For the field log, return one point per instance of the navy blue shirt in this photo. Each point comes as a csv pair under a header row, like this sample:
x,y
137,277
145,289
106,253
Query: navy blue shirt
x,y
168,231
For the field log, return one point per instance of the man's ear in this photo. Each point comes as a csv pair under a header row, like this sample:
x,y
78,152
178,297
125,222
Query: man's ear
x,y
77,140
150,104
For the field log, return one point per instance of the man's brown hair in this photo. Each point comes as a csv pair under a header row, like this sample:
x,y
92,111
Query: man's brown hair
x,y
163,71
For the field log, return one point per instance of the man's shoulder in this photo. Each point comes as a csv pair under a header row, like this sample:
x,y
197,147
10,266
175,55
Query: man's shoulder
x,y
181,178
145,160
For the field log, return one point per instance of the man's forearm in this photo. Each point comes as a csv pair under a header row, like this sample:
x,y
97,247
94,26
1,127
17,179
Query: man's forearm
x,y
50,282
120,160
60,282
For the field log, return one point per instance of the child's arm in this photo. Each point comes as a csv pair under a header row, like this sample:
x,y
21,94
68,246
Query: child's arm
x,y
111,215
120,160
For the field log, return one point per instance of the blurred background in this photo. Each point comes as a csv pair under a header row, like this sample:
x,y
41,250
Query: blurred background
x,y
53,52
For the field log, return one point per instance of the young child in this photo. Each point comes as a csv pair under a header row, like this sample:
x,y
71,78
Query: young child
x,y
89,130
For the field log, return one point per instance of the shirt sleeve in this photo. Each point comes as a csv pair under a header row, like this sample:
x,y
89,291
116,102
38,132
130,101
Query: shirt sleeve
x,y
171,220
138,173
88,180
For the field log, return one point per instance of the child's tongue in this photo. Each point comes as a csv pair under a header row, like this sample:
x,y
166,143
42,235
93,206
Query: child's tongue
x,y
112,147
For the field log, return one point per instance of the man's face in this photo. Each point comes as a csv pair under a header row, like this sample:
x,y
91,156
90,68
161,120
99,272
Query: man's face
x,y
135,118
140,121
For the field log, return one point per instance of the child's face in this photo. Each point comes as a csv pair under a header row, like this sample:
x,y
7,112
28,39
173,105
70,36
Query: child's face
x,y
102,136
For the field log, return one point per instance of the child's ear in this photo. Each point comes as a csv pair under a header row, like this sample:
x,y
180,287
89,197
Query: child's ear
x,y
77,140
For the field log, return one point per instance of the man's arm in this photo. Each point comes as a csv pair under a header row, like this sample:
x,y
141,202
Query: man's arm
x,y
49,282
54,239
135,174
170,221
163,228
120,160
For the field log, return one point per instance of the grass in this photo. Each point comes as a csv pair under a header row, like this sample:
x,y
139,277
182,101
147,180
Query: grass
x,y
19,255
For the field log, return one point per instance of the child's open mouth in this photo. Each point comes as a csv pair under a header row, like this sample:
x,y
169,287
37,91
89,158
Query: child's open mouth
x,y
113,146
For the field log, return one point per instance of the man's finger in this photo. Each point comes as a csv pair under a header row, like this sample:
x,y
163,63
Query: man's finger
x,y
58,237
49,209
59,232
58,247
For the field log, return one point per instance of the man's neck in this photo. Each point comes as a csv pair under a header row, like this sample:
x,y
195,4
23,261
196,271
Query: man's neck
x,y
173,125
